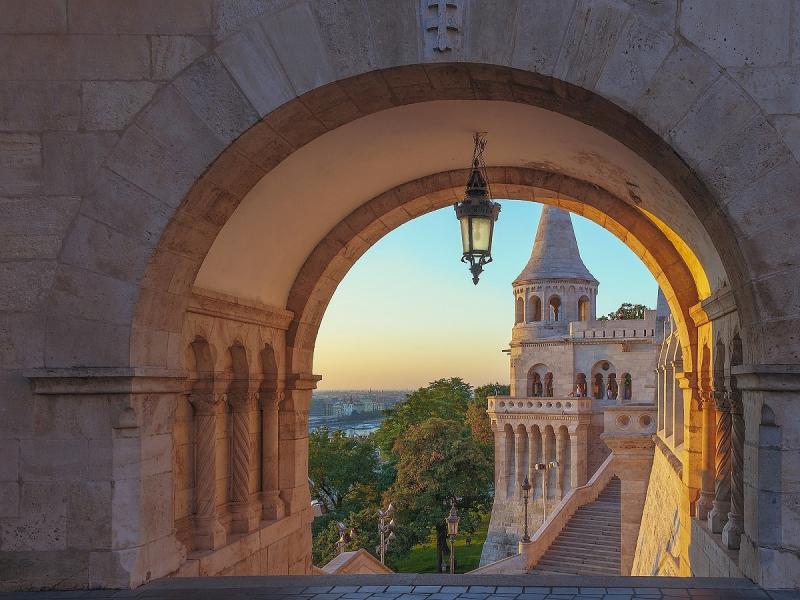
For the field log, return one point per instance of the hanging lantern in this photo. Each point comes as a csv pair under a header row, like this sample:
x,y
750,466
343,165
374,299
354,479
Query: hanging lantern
x,y
477,214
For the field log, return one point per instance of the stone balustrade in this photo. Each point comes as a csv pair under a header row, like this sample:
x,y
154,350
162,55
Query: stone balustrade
x,y
538,405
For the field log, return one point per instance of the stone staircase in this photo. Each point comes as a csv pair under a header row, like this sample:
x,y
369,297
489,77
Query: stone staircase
x,y
589,544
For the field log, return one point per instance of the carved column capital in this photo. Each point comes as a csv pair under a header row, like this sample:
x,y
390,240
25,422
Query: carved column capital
x,y
721,401
207,403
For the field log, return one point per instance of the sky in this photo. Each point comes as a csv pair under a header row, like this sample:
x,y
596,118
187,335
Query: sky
x,y
408,313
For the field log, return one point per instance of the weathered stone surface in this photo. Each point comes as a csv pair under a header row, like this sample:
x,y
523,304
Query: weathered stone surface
x,y
54,57
71,160
21,343
488,29
538,33
777,89
170,54
75,341
89,514
216,99
25,284
53,460
297,42
731,31
633,62
20,163
42,522
39,105
679,81
391,25
251,61
9,499
789,128
34,16
140,16
590,37
342,29
84,294
110,105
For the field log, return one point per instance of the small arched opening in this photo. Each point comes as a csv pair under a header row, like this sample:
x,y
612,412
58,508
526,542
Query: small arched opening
x,y
627,387
555,308
580,385
519,312
548,385
534,309
584,308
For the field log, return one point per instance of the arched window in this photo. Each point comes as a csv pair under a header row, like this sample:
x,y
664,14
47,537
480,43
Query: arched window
x,y
580,385
519,315
584,307
597,387
534,309
555,308
548,385
536,380
612,388
627,387
535,385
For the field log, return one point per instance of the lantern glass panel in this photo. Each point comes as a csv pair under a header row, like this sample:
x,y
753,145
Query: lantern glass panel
x,y
465,233
481,233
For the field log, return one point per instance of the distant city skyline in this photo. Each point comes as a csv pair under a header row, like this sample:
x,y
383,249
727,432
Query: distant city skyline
x,y
407,313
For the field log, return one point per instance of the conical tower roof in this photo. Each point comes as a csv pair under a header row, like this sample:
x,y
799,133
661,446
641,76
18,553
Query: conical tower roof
x,y
555,251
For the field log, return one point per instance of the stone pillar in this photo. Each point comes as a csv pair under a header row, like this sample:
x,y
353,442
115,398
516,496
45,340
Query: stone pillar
x,y
705,501
244,509
578,439
293,443
632,461
521,448
499,459
549,451
271,504
208,532
561,443
722,464
732,531
534,442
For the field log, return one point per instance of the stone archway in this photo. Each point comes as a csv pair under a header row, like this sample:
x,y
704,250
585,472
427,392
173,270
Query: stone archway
x,y
156,187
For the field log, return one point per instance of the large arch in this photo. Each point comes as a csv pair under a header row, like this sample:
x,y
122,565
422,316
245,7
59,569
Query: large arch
x,y
679,163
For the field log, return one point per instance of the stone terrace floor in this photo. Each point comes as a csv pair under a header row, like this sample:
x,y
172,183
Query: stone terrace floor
x,y
428,587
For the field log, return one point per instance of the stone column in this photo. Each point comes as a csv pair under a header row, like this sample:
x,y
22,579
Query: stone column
x,y
722,464
244,509
660,393
633,459
560,452
521,447
499,459
293,443
208,532
732,531
705,501
271,504
547,442
578,439
533,457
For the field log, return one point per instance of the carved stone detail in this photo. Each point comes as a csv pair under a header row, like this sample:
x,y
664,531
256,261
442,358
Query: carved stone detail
x,y
722,464
732,532
442,24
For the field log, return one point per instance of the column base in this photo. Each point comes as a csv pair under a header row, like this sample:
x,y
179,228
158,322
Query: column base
x,y
732,532
245,517
718,516
209,534
272,507
704,505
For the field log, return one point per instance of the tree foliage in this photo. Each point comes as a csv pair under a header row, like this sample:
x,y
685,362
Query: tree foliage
x,y
476,417
439,460
339,466
443,399
626,311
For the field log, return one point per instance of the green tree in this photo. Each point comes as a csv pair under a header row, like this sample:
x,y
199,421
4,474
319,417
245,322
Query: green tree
x,y
626,311
476,417
443,398
439,460
339,466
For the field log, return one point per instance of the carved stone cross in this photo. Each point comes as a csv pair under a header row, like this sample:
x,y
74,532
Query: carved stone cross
x,y
442,22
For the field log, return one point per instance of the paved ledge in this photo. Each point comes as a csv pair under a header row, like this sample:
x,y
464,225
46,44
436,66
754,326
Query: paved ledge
x,y
428,587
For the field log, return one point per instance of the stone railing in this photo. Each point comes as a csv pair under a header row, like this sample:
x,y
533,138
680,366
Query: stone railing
x,y
526,405
558,519
532,552
632,419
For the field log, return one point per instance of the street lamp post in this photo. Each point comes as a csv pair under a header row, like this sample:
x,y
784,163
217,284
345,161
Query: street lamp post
x,y
477,214
452,532
526,488
385,530
545,469
346,535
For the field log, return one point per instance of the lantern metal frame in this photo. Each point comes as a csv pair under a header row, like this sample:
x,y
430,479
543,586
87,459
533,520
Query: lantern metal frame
x,y
477,204
452,532
385,530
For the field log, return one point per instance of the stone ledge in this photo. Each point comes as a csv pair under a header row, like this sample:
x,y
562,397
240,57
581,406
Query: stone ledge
x,y
767,378
105,381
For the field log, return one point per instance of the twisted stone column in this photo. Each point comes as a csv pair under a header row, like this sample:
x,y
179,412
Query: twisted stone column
x,y
245,514
733,529
208,532
722,463
271,504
